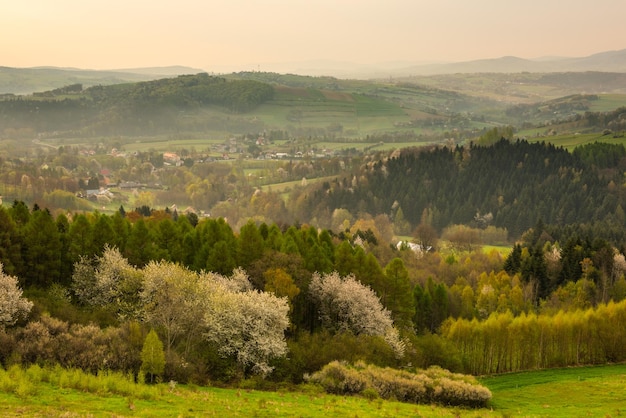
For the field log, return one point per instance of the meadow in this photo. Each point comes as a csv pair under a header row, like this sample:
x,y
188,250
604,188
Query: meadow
x,y
572,392
570,141
585,391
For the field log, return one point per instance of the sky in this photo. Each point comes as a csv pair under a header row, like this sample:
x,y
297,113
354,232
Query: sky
x,y
272,35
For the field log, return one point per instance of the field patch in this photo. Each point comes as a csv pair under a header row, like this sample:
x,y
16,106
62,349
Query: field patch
x,y
571,392
337,95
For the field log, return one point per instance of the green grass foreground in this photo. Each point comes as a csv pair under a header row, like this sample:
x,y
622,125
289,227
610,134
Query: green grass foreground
x,y
35,392
571,392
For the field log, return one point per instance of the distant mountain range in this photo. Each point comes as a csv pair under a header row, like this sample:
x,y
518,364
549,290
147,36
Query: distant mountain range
x,y
610,61
29,80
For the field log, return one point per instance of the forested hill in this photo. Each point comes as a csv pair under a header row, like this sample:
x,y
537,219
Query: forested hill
x,y
517,183
132,108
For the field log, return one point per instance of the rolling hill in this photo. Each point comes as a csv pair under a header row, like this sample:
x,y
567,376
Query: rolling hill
x,y
425,108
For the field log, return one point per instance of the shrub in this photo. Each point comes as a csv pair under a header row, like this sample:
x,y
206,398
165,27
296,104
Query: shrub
x,y
397,384
25,388
434,385
369,394
7,347
339,378
458,392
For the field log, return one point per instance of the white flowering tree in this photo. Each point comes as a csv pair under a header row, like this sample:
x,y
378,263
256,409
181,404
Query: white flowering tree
x,y
173,301
247,324
12,305
111,282
345,304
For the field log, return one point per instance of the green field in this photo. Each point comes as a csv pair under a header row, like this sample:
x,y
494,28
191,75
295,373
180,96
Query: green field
x,y
504,250
608,102
572,392
571,141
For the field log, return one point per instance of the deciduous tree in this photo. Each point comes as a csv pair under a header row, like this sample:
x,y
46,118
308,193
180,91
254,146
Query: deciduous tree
x,y
12,305
152,356
172,300
248,325
347,305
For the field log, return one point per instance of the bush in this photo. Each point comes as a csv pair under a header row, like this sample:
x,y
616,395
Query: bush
x,y
434,385
340,379
310,352
7,347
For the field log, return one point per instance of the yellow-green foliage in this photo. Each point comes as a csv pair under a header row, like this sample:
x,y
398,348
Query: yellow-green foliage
x,y
506,343
434,385
24,382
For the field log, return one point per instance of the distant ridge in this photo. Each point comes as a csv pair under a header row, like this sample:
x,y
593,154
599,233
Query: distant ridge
x,y
610,61
172,70
38,79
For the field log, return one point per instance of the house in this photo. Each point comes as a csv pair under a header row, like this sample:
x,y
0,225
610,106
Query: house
x,y
416,248
171,158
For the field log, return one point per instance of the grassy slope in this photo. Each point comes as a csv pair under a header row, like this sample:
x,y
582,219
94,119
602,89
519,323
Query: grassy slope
x,y
585,391
570,141
573,392
212,402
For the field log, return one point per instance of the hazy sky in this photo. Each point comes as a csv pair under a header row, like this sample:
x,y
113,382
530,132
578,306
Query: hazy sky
x,y
218,35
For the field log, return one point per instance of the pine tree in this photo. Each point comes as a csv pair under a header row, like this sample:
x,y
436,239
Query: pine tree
x,y
513,262
396,295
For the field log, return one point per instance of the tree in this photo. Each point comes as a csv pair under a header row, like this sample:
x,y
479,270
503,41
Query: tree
x,y
251,244
513,262
221,258
346,305
63,226
84,282
103,233
316,259
440,299
172,301
462,237
425,236
248,325
152,356
423,308
121,230
10,254
81,238
112,283
400,225
12,305
280,283
140,247
169,240
345,262
396,294
43,250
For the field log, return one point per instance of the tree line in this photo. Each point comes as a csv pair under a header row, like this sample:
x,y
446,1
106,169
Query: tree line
x,y
517,182
507,343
